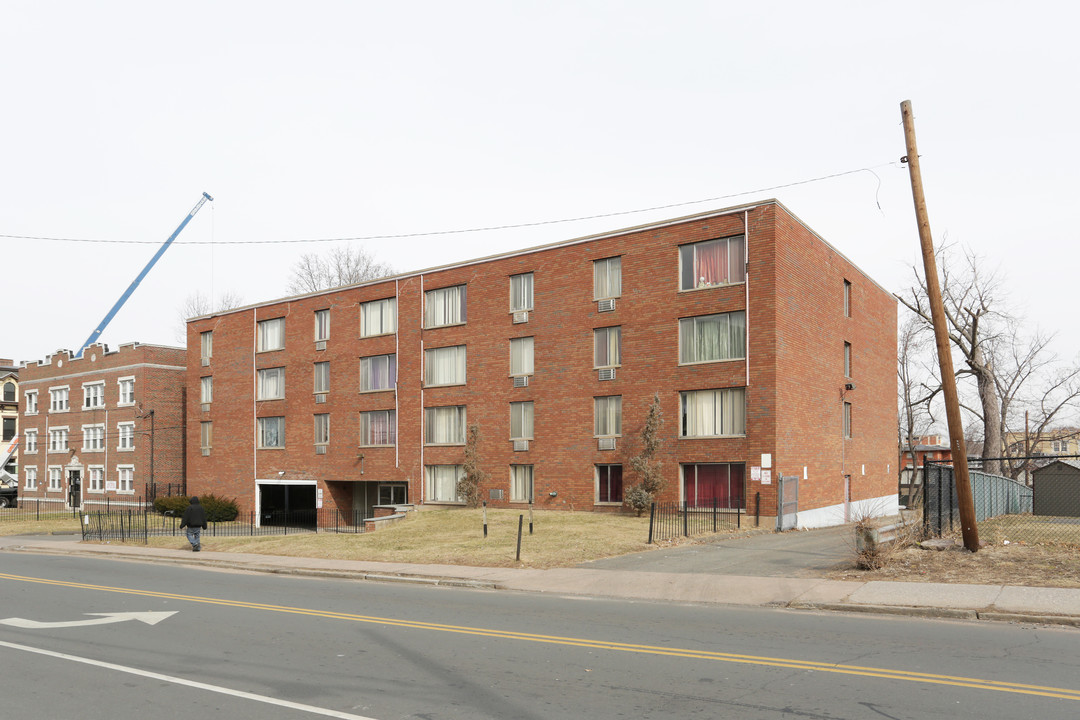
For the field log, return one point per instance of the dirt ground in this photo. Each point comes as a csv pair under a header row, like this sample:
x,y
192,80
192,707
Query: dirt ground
x,y
1012,564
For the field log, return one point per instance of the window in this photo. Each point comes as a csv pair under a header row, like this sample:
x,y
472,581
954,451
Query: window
x,y
847,359
30,402
711,263
521,292
94,395
271,432
521,420
847,299
710,338
58,439
444,366
56,478
607,347
713,413
126,431
322,325
30,437
395,494
58,399
378,317
322,377
378,372
378,427
270,334
444,425
442,482
93,438
206,390
206,434
607,418
126,388
445,306
322,429
609,484
521,483
271,384
125,476
607,278
708,483
847,420
9,392
206,343
31,477
1059,446
521,356
9,428
95,479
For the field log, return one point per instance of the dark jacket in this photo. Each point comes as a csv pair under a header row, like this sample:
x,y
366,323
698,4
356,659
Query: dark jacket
x,y
194,516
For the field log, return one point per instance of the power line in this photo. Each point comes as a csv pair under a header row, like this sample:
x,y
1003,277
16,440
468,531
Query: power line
x,y
461,231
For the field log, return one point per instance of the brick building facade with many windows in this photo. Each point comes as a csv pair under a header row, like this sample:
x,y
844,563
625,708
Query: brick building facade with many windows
x,y
102,427
746,324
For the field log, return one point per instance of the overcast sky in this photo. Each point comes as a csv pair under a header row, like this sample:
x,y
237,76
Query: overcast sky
x,y
354,119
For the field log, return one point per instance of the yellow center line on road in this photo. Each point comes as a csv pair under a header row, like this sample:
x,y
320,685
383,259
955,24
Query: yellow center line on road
x,y
930,678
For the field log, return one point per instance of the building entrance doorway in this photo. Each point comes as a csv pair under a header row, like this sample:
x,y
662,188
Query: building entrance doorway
x,y
292,503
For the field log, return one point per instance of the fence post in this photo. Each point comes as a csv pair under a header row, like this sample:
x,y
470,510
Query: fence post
x,y
521,519
715,503
652,517
685,518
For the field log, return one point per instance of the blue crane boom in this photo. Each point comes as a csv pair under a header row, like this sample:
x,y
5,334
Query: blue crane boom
x,y
131,288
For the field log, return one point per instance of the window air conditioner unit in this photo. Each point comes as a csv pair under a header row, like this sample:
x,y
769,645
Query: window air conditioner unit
x,y
320,397
606,444
206,407
494,494
320,344
320,449
206,362
521,381
521,316
607,373
521,445
206,452
605,305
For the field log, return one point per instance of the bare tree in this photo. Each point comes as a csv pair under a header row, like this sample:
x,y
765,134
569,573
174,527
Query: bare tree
x,y
341,266
1013,369
917,389
197,304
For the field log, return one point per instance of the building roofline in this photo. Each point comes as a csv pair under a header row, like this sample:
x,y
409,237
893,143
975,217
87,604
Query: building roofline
x,y
734,210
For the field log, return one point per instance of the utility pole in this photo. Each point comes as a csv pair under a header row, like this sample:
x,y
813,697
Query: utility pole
x,y
941,336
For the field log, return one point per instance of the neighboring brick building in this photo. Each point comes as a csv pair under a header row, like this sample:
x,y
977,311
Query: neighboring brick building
x,y
104,426
746,323
9,418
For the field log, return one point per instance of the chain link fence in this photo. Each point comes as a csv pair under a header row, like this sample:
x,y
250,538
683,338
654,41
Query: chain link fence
x,y
1040,506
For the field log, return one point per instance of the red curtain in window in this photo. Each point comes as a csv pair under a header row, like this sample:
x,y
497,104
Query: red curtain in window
x,y
710,264
722,482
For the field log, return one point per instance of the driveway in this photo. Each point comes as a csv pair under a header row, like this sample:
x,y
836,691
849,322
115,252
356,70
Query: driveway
x,y
796,553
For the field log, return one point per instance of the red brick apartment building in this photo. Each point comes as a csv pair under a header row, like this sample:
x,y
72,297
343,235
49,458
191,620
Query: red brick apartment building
x,y
747,324
101,427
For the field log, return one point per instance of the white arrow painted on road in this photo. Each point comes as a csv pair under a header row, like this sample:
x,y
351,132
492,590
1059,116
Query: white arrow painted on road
x,y
150,618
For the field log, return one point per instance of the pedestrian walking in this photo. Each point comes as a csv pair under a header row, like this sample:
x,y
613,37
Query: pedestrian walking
x,y
194,519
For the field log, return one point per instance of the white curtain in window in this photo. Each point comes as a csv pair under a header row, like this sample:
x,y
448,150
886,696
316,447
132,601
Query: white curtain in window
x,y
378,427
271,383
207,341
607,347
206,386
607,278
444,366
608,416
378,317
444,425
714,412
445,306
521,483
322,377
378,372
442,482
521,420
272,432
521,356
322,324
521,292
272,334
712,337
206,434
322,429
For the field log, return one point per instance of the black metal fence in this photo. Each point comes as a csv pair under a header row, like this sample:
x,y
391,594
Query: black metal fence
x,y
674,519
1043,506
125,524
39,510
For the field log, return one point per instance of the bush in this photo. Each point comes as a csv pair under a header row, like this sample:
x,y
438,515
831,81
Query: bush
x,y
638,498
217,509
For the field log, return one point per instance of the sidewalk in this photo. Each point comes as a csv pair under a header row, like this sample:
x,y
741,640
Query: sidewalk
x,y
1058,606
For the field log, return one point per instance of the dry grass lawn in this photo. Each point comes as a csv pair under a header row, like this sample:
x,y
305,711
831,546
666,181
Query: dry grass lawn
x,y
456,537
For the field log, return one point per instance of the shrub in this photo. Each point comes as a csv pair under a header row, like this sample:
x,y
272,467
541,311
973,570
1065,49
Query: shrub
x,y
217,509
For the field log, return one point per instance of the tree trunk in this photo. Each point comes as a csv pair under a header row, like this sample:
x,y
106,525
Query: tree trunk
x,y
993,444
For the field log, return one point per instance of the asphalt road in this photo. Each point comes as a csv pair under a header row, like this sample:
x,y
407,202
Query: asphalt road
x,y
796,553
257,646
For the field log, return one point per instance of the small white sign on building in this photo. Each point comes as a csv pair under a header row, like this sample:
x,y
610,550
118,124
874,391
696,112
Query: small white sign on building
x,y
766,477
